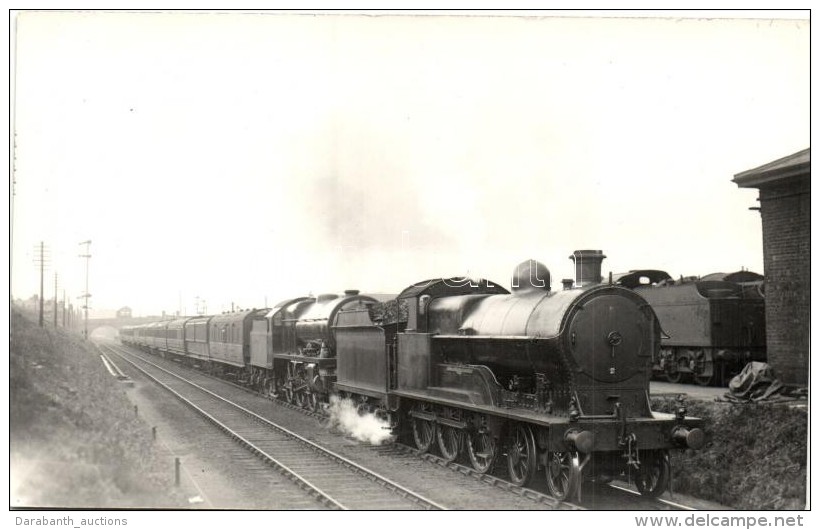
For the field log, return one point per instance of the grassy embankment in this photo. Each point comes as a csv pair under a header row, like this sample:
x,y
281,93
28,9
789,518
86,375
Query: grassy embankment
x,y
754,459
75,441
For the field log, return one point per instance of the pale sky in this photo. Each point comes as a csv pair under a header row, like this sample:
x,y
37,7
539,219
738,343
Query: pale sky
x,y
254,157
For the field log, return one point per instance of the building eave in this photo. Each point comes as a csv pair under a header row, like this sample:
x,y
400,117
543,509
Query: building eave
x,y
792,166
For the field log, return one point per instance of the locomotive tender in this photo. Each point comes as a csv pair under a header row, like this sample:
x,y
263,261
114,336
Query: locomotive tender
x,y
535,379
713,326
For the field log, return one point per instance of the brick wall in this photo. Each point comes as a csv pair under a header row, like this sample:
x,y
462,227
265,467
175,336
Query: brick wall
x,y
786,215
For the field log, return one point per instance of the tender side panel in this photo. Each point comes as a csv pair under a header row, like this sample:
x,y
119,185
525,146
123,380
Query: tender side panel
x,y
413,360
683,313
364,363
261,344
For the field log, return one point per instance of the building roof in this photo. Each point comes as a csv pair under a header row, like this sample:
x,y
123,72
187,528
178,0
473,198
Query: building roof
x,y
795,165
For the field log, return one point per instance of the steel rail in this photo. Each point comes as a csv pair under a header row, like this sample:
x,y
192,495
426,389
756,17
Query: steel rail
x,y
486,478
285,470
493,480
360,470
661,501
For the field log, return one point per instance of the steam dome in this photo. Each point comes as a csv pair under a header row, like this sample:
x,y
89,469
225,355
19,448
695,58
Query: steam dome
x,y
530,275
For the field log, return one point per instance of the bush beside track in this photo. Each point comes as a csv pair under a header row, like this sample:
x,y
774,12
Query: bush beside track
x,y
75,441
755,457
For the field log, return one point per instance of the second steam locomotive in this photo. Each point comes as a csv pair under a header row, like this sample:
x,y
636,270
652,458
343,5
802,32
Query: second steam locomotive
x,y
713,326
540,381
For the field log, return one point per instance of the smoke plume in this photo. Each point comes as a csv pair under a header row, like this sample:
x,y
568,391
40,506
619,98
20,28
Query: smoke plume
x,y
365,427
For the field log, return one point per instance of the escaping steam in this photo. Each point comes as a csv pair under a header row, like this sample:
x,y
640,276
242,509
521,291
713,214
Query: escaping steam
x,y
365,427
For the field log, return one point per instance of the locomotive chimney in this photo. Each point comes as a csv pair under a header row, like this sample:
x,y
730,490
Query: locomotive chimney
x,y
587,266
567,283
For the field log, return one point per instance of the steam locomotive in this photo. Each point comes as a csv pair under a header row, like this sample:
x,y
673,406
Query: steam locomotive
x,y
530,379
713,326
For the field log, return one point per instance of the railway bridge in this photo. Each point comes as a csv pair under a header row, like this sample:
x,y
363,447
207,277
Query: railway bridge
x,y
111,326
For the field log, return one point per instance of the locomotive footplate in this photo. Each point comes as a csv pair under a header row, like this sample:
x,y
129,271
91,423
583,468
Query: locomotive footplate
x,y
529,416
322,362
389,401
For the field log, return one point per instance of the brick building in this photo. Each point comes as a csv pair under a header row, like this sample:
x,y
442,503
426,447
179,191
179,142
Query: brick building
x,y
785,210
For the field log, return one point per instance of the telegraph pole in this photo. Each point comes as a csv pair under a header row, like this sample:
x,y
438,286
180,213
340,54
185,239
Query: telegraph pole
x,y
87,295
42,266
55,299
11,208
41,261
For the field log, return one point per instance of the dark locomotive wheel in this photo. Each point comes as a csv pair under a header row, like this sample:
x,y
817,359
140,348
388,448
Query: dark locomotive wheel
x,y
676,373
653,475
363,408
269,388
521,455
481,448
704,379
562,473
673,377
704,370
313,402
450,441
300,399
424,432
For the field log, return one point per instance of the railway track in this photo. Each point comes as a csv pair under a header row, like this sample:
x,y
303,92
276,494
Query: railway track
x,y
594,497
662,504
538,497
330,478
608,497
